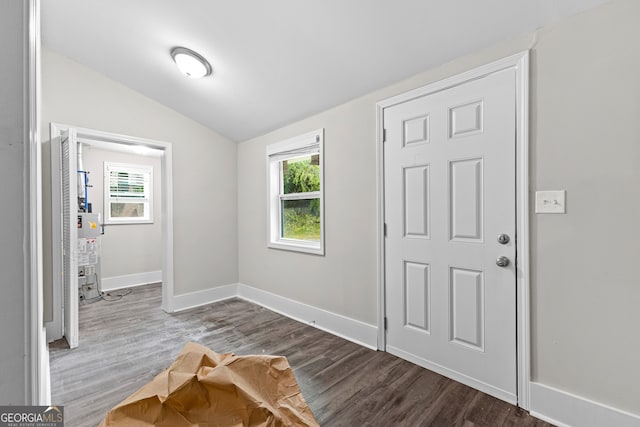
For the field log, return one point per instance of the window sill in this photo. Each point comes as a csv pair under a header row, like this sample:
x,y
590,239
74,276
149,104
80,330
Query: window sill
x,y
316,249
128,222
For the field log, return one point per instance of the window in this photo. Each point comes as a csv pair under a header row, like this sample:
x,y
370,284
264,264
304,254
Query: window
x,y
128,193
295,206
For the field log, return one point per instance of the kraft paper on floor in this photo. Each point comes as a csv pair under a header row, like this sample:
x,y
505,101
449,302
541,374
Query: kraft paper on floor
x,y
204,388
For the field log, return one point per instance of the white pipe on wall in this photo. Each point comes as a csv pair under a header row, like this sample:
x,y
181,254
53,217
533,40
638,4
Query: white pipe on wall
x,y
81,180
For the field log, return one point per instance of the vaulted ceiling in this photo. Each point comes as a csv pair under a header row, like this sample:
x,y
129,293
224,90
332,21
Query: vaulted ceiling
x,y
278,61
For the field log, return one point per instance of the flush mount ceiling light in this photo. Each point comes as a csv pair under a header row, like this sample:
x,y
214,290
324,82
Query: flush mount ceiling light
x,y
190,63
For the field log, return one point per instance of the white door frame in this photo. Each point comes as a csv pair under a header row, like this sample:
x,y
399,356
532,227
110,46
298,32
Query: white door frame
x,y
520,63
37,361
101,137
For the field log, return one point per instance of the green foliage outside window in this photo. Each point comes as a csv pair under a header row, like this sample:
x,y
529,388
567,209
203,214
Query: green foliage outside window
x,y
301,218
301,176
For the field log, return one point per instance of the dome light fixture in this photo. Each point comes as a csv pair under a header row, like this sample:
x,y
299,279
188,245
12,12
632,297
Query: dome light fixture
x,y
191,63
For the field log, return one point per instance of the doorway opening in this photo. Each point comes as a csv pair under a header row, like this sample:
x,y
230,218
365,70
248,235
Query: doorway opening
x,y
66,295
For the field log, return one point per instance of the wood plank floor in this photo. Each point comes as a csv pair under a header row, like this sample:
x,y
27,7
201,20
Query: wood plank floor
x,y
124,344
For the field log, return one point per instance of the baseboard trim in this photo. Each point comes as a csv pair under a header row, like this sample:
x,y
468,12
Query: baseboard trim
x,y
350,329
130,280
200,298
565,409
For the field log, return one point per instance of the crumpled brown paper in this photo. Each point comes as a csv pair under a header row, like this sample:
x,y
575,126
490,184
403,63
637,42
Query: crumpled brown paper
x,y
204,388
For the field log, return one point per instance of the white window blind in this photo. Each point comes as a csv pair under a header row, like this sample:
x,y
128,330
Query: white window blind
x,y
128,191
128,185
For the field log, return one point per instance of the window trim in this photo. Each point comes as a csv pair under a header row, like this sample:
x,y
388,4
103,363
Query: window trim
x,y
128,167
309,143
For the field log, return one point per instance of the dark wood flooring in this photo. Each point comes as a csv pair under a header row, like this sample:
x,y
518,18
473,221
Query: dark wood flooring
x,y
124,344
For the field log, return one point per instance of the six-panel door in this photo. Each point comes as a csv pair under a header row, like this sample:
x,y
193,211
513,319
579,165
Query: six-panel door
x,y
449,165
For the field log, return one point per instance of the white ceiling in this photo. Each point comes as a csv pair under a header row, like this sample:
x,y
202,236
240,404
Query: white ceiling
x,y
278,61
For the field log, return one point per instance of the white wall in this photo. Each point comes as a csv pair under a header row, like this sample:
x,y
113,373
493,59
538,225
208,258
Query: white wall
x,y
584,138
13,174
127,249
343,281
204,164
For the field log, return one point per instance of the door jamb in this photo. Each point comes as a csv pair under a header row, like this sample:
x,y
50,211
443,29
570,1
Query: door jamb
x,y
37,387
520,63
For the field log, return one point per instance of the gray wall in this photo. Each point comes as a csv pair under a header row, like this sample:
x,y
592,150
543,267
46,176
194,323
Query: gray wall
x,y
204,167
126,248
13,39
586,292
585,104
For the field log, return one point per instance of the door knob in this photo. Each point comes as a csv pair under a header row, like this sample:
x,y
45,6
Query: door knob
x,y
502,261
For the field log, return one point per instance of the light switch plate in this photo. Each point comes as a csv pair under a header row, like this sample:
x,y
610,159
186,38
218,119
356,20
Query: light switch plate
x,y
550,202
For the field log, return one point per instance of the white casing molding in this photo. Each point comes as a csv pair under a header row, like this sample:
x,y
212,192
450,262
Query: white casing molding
x,y
350,329
200,298
130,280
38,390
301,142
565,409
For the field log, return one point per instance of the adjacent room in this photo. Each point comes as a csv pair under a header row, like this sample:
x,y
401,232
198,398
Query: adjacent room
x,y
428,207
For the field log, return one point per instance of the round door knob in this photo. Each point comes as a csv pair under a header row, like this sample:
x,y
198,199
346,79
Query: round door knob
x,y
502,261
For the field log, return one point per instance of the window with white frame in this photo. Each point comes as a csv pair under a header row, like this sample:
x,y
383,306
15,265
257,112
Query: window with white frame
x,y
128,193
295,184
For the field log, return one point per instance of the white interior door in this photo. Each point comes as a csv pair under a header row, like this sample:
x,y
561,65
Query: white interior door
x,y
450,188
68,148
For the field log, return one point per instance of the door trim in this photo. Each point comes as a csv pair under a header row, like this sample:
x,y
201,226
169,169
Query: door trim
x,y
520,63
37,390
